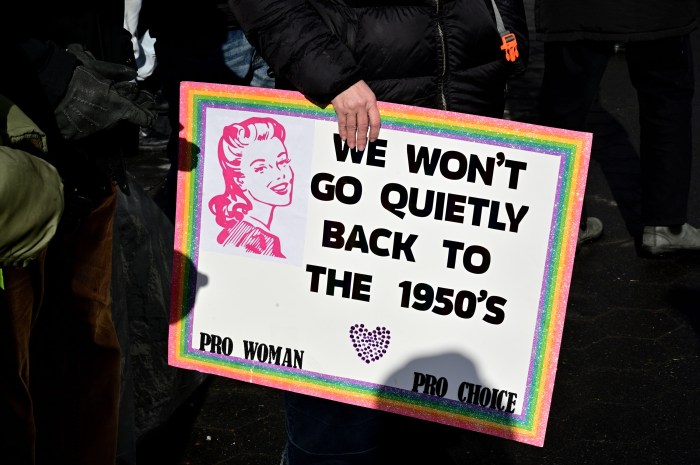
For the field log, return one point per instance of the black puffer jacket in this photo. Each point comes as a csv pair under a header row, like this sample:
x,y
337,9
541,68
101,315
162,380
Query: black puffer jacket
x,y
614,20
433,53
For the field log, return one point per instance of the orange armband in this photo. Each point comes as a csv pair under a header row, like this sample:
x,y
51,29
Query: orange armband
x,y
509,44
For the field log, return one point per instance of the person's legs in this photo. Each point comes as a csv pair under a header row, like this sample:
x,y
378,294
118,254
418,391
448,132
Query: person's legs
x,y
75,352
248,68
572,74
262,75
324,432
19,305
662,73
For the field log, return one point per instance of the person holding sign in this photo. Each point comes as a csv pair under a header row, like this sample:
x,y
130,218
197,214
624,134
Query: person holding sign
x,y
454,55
258,178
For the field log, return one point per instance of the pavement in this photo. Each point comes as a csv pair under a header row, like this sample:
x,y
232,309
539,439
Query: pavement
x,y
627,389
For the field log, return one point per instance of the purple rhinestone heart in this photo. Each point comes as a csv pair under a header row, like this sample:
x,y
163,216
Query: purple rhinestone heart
x,y
370,345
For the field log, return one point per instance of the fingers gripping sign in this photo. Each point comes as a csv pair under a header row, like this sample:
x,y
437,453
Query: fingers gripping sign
x,y
358,115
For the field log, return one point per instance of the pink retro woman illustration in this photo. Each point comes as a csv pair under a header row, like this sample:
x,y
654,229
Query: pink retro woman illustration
x,y
258,178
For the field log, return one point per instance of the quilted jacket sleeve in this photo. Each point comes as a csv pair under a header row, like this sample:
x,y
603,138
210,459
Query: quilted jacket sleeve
x,y
296,43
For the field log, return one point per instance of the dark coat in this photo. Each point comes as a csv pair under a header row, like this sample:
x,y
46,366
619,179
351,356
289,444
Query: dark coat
x,y
187,24
33,38
439,54
614,20
33,41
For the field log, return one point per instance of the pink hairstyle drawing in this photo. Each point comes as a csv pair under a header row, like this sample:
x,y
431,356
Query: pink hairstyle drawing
x,y
258,178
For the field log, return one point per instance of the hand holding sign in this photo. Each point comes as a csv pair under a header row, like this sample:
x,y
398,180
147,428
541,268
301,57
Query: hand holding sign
x,y
357,112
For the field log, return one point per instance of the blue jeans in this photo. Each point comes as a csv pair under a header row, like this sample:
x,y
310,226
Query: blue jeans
x,y
244,62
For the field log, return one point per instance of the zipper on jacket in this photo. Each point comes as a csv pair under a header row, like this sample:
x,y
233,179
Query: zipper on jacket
x,y
443,100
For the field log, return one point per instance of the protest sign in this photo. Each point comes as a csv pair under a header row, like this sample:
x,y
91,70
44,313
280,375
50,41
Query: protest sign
x,y
426,276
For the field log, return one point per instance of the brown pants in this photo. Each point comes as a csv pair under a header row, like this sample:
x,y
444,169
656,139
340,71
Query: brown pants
x,y
59,353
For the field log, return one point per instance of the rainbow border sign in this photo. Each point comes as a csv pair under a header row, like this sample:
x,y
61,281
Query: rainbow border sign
x,y
432,283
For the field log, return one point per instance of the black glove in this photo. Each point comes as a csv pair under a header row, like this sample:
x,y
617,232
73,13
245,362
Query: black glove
x,y
99,95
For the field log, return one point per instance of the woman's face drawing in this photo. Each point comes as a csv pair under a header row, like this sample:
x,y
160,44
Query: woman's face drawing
x,y
267,174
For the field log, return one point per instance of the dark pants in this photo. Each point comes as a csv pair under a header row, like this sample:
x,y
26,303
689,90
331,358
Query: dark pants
x,y
323,432
662,73
59,353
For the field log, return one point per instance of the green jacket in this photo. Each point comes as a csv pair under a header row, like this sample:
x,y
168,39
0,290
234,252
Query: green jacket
x,y
31,191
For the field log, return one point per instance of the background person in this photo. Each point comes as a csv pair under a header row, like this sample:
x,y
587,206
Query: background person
x,y
68,70
31,196
579,40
